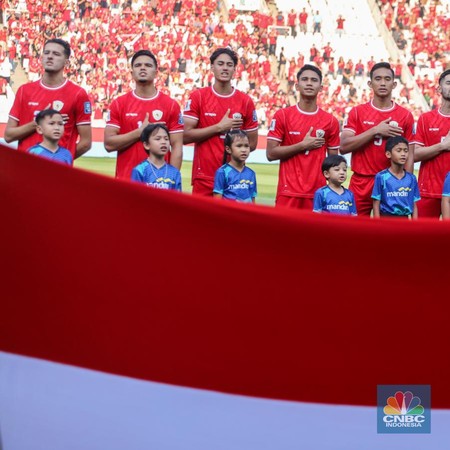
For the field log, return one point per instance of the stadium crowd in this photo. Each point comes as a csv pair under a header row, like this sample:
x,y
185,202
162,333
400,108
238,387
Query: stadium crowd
x,y
182,34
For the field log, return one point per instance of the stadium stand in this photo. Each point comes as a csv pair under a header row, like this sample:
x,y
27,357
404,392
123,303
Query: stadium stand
x,y
105,33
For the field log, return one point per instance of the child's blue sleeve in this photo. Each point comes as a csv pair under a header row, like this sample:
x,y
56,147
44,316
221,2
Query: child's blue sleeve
x,y
376,192
254,187
446,189
178,182
416,189
352,208
219,182
317,202
136,175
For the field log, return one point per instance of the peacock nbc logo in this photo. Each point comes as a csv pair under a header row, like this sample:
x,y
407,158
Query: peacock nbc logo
x,y
404,412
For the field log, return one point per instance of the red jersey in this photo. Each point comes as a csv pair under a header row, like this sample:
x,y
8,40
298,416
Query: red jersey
x,y
208,107
432,127
372,159
301,175
69,99
127,113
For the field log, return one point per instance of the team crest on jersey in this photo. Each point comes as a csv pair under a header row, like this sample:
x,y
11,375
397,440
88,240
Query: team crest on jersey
x,y
58,105
157,114
87,108
272,125
188,105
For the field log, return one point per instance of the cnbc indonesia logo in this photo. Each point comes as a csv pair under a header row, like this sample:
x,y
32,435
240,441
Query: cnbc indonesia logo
x,y
403,412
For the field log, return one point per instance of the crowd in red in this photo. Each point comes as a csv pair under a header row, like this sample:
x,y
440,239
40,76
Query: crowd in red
x,y
182,34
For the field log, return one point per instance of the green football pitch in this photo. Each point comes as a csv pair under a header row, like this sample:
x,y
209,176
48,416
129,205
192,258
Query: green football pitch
x,y
266,175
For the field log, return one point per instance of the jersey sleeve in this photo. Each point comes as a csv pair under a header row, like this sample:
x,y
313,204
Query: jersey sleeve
x,y
176,123
416,189
317,202
334,138
114,115
350,123
277,129
352,208
83,109
192,108
178,182
219,182
419,136
408,132
446,188
14,113
137,175
251,118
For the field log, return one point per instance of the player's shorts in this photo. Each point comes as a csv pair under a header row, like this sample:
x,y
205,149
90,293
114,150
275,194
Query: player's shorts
x,y
362,187
294,202
203,187
429,207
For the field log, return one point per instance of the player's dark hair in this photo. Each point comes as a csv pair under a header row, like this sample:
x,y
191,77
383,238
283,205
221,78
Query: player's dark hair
x,y
151,129
332,161
230,138
310,67
41,115
62,43
381,65
220,51
443,75
144,53
393,141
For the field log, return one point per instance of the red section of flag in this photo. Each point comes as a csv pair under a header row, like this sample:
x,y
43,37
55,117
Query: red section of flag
x,y
244,299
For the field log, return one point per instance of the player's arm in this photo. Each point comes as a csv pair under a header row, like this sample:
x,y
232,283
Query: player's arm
x,y
194,134
445,207
351,142
422,153
415,214
376,209
252,139
176,149
275,151
85,142
217,195
16,132
114,141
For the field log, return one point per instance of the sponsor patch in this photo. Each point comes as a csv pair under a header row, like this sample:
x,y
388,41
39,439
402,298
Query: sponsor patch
x,y
87,108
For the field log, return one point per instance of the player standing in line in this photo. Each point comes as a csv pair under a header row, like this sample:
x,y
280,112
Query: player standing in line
x,y
365,132
300,137
130,114
50,126
55,92
210,113
395,191
234,180
432,149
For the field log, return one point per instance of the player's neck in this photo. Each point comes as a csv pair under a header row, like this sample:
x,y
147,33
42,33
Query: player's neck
x,y
145,90
49,145
223,88
445,107
238,165
53,79
157,161
382,102
308,104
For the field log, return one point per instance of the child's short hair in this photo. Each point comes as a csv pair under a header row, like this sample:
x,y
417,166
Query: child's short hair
x,y
332,161
41,115
149,130
233,134
393,141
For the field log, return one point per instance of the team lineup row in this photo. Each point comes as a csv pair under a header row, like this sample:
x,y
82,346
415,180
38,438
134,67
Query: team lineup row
x,y
300,136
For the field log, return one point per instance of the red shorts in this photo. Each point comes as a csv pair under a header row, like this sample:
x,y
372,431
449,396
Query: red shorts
x,y
362,186
203,187
294,202
429,207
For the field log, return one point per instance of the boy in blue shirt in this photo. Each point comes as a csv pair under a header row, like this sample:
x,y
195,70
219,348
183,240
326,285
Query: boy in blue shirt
x,y
154,171
396,191
234,180
446,198
334,198
50,125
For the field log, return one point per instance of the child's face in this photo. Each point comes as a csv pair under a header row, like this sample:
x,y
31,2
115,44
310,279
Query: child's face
x,y
337,174
158,143
399,153
240,149
51,127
